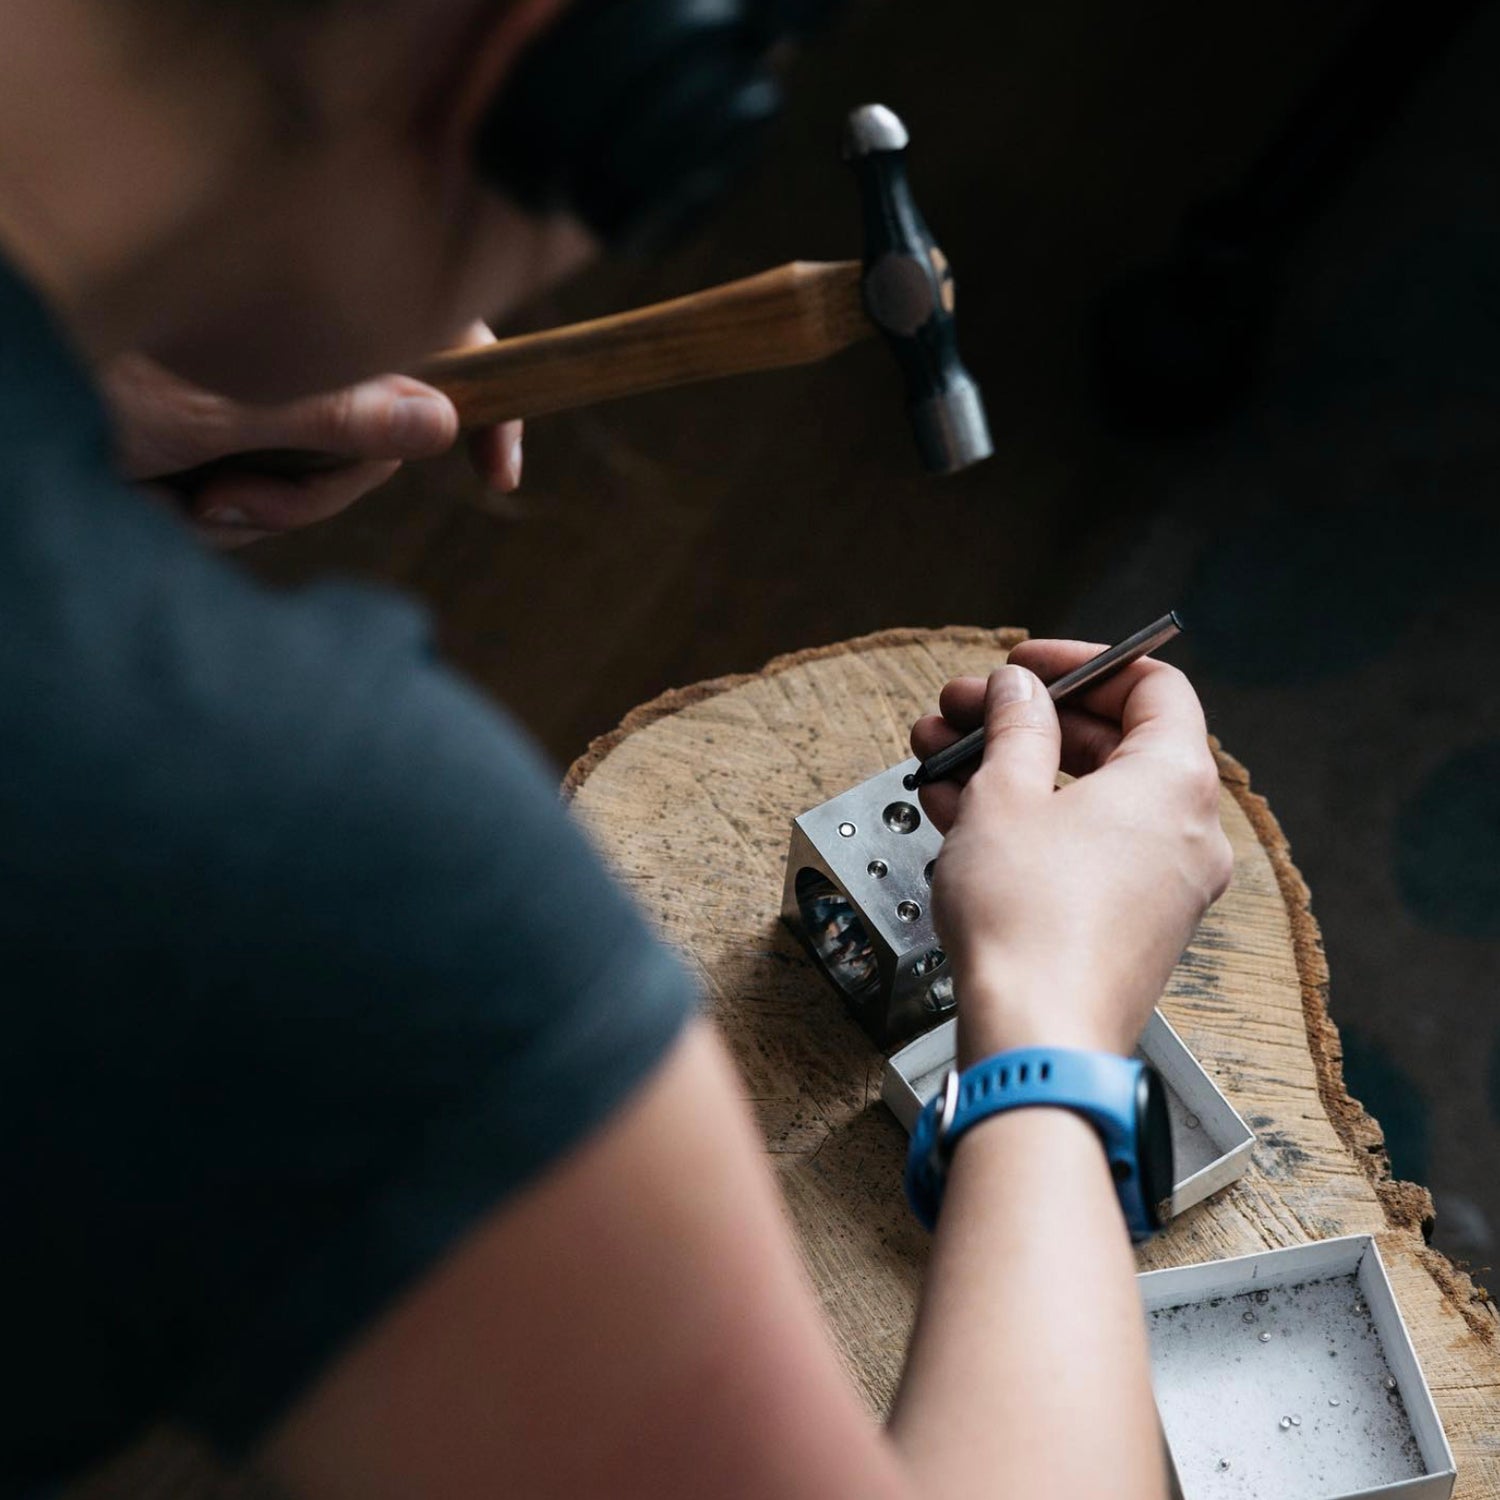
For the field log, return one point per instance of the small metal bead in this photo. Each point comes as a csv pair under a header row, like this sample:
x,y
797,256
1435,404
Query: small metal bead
x,y
1265,1338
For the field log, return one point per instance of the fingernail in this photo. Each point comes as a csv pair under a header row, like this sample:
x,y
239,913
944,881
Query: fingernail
x,y
226,515
1011,684
418,422
513,459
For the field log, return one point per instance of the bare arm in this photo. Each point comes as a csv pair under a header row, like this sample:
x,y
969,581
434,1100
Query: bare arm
x,y
637,1323
1064,913
1027,1374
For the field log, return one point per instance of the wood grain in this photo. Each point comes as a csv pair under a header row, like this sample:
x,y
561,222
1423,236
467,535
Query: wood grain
x,y
791,315
692,800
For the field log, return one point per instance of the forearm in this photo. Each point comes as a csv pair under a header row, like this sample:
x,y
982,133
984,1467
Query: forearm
x,y
1028,1370
637,1324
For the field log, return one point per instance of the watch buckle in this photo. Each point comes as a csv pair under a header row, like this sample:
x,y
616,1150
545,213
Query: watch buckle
x,y
947,1110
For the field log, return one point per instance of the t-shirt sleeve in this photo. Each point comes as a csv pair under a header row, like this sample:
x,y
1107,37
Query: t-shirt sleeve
x,y
350,976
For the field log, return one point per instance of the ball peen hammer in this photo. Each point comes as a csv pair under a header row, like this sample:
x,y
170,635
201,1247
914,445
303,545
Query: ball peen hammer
x,y
794,314
908,294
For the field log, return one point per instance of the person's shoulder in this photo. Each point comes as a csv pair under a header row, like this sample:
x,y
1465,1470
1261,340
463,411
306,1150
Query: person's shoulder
x,y
303,956
172,715
300,924
160,665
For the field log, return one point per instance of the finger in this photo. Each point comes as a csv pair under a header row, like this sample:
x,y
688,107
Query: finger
x,y
1171,694
513,439
228,538
1161,724
1051,659
933,732
496,454
961,705
961,702
1162,700
1022,740
1087,740
391,418
930,734
940,798
940,801
495,451
222,536
961,711
248,501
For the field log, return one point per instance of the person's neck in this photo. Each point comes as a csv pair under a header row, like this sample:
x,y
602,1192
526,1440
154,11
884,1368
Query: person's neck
x,y
99,183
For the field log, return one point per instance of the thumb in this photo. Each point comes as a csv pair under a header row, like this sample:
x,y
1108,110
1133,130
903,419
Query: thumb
x,y
392,417
1022,741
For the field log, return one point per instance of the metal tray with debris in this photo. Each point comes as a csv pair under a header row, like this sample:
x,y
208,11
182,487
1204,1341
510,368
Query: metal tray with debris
x,y
1289,1375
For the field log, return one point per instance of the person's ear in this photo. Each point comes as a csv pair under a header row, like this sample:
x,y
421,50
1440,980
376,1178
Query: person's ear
x,y
500,35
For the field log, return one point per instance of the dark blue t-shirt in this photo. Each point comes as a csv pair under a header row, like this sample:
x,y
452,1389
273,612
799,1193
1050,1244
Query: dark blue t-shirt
x,y
302,966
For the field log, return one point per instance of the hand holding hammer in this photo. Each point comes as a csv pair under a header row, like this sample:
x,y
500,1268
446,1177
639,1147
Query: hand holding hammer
x,y
792,315
795,314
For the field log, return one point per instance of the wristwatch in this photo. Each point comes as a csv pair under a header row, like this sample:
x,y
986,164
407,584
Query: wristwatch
x,y
1121,1097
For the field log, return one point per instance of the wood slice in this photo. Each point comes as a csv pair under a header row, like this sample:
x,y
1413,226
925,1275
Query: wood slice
x,y
692,799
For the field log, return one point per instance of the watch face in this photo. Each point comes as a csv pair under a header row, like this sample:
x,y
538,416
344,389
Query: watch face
x,y
1153,1143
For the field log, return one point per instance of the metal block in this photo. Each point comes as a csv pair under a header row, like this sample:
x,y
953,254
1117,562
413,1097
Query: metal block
x,y
859,893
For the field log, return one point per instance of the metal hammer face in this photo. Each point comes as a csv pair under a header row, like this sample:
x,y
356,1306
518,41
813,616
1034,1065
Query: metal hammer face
x,y
909,295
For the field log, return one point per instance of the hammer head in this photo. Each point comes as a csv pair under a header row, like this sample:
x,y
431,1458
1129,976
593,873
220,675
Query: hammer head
x,y
909,295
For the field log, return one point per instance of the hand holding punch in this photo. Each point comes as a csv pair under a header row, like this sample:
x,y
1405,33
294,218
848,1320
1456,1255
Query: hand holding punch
x,y
962,752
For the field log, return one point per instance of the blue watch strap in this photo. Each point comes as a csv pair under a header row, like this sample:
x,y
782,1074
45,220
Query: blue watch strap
x,y
1102,1087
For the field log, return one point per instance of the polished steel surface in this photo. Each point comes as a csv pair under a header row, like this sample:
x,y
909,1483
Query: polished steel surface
x,y
872,128
858,891
953,431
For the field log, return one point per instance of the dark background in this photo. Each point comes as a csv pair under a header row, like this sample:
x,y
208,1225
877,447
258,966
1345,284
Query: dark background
x,y
1331,538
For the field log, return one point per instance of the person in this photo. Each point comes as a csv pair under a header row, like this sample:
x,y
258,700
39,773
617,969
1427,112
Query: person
x,y
352,1116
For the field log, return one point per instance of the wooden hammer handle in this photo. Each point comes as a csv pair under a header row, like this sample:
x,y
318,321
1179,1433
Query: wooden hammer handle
x,y
794,314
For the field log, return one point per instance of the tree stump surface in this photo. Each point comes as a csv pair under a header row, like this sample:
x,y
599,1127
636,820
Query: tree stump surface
x,y
691,800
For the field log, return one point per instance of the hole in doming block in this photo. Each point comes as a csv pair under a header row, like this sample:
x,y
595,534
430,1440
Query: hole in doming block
x,y
1290,1374
854,891
901,817
837,934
